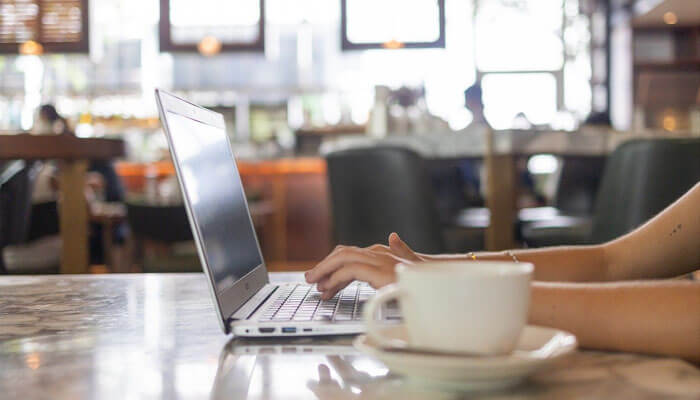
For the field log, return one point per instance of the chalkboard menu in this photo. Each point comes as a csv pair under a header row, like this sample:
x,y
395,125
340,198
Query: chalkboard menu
x,y
60,26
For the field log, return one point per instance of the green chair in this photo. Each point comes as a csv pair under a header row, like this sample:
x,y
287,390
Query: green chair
x,y
641,178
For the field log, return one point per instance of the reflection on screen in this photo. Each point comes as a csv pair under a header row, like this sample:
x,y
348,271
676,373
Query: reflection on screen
x,y
217,200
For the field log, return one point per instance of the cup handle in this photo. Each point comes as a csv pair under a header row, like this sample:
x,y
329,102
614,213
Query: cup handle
x,y
383,295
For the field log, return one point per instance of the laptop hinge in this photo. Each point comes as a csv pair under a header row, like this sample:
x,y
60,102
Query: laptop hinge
x,y
251,306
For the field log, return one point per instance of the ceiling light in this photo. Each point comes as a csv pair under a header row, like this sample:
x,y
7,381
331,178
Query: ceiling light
x,y
209,46
669,122
31,48
392,44
670,18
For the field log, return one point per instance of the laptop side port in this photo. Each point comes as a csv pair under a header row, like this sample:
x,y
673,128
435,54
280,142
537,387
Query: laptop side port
x,y
307,329
289,330
266,330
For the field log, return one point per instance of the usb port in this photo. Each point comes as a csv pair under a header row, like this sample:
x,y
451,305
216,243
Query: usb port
x,y
266,330
289,330
307,329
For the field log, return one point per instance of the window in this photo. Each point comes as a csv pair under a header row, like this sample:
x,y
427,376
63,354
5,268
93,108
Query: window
x,y
58,26
224,25
533,61
532,94
392,24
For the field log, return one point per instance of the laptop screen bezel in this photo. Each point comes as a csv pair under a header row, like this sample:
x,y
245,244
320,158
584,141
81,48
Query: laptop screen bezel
x,y
230,299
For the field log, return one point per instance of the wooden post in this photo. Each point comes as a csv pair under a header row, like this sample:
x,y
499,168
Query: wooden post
x,y
73,217
500,197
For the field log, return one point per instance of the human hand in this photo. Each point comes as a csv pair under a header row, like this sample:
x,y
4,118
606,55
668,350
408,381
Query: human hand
x,y
400,249
374,265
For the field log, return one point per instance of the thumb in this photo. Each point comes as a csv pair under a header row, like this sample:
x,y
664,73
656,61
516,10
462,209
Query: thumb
x,y
400,248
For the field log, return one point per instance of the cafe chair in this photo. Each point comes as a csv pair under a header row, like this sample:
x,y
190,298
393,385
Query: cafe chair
x,y
20,254
574,200
577,185
378,190
641,178
162,237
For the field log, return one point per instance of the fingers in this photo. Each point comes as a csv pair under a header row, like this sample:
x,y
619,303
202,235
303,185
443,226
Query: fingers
x,y
379,248
324,373
342,277
400,248
340,257
327,294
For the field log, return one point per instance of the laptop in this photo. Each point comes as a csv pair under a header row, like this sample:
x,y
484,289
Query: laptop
x,y
247,304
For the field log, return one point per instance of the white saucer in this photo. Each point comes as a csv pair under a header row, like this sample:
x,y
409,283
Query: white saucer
x,y
537,347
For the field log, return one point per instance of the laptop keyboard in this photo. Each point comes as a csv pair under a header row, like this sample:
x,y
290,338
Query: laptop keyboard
x,y
303,303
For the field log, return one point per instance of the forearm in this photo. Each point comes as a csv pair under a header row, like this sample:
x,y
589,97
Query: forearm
x,y
659,317
565,263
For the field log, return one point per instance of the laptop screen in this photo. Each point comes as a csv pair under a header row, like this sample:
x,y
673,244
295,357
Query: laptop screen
x,y
217,202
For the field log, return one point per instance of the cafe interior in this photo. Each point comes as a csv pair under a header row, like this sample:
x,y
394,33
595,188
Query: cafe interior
x,y
462,125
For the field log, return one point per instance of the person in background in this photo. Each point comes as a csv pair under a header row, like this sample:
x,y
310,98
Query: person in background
x,y
49,122
102,184
470,171
474,102
458,186
612,296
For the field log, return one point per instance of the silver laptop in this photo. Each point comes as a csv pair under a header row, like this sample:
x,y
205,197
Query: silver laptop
x,y
246,302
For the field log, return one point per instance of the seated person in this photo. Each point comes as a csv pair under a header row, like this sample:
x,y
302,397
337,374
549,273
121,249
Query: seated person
x,y
612,296
102,182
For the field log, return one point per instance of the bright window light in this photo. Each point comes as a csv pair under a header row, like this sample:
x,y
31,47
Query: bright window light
x,y
521,35
508,95
542,164
231,22
371,21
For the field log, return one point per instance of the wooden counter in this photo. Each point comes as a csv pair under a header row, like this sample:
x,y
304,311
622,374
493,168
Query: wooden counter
x,y
73,154
299,229
59,147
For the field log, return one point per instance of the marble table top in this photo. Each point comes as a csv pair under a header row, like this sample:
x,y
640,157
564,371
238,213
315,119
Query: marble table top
x,y
155,336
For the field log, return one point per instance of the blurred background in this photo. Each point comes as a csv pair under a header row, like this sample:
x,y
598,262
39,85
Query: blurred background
x,y
508,113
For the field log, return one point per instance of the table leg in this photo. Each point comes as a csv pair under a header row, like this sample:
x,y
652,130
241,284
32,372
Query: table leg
x,y
73,217
108,245
500,169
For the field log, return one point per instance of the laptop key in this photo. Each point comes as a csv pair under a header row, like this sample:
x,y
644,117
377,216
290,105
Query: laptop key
x,y
303,303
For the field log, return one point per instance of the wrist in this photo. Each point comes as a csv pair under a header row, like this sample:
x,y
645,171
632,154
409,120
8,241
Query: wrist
x,y
492,256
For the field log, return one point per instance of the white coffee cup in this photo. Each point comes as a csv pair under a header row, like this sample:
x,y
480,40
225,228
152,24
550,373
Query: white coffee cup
x,y
477,307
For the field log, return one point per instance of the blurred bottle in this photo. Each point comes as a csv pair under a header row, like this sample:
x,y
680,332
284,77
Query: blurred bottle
x,y
378,117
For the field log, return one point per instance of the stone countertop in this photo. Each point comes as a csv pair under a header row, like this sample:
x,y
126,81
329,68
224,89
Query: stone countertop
x,y
155,336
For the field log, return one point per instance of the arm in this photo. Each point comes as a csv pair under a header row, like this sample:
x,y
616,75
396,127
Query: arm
x,y
667,245
648,317
562,263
